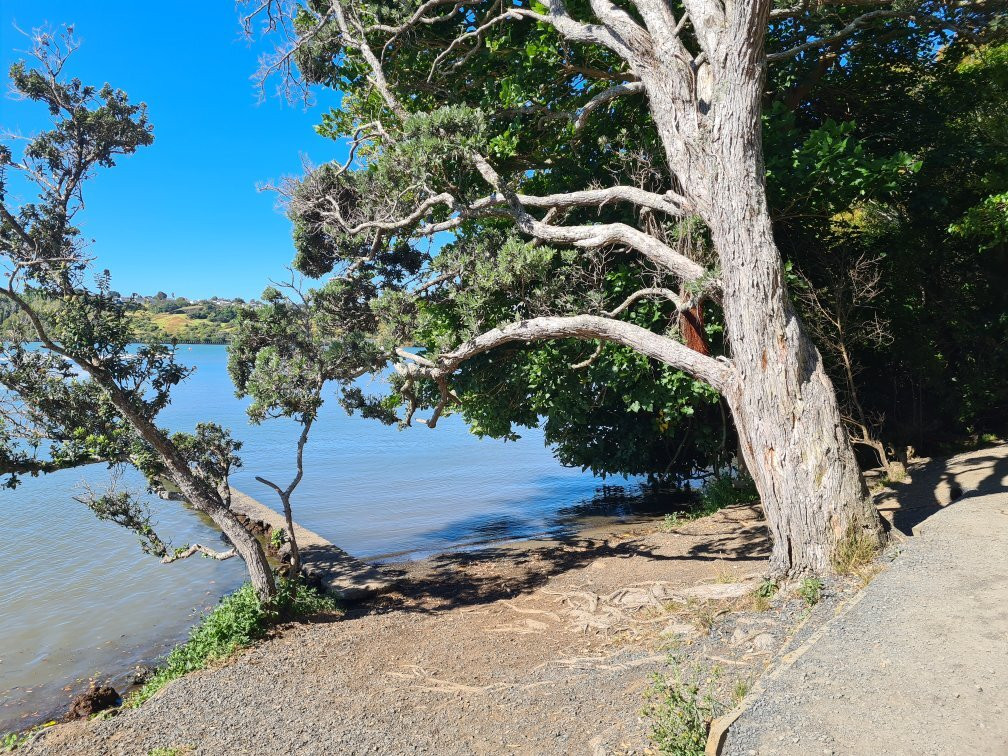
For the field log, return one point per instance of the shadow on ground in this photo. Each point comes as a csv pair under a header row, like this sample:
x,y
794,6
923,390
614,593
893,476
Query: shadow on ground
x,y
503,571
933,484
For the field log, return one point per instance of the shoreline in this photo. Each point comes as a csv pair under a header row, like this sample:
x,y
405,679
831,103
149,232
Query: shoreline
x,y
548,646
122,674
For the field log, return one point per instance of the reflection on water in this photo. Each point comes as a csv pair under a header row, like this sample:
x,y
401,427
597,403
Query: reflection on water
x,y
79,598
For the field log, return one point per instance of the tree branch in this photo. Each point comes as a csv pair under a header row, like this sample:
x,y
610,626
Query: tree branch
x,y
716,371
198,548
604,98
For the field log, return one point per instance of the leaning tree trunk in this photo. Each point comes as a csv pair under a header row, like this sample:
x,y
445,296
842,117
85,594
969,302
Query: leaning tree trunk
x,y
784,406
196,492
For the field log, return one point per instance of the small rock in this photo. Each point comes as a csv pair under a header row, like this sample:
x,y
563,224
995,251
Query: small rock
x,y
740,636
142,673
764,642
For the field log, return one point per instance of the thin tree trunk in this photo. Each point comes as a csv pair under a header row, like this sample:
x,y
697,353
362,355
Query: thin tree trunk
x,y
292,538
196,493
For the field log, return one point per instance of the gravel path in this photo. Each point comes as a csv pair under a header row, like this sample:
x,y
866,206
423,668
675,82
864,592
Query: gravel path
x,y
918,663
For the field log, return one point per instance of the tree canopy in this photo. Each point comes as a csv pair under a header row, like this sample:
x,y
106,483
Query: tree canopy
x,y
847,177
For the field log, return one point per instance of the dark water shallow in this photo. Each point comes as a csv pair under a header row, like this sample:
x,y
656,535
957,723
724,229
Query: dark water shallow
x,y
78,599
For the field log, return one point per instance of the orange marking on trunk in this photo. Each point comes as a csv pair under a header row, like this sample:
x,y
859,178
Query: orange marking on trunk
x,y
692,330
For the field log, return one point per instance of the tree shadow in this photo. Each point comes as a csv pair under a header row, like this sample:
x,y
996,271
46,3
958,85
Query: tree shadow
x,y
935,484
505,570
481,576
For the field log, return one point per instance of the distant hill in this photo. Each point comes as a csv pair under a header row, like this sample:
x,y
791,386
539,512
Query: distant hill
x,y
192,322
162,318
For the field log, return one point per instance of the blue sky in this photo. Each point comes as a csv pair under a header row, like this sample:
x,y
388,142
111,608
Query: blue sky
x,y
182,216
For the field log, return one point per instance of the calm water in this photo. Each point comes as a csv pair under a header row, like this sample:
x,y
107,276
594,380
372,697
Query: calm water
x,y
79,599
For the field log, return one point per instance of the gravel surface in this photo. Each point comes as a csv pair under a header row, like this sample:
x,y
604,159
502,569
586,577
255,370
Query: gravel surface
x,y
549,648
917,664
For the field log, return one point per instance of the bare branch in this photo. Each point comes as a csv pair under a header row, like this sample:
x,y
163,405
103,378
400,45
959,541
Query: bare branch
x,y
604,98
717,372
594,356
198,548
815,44
668,294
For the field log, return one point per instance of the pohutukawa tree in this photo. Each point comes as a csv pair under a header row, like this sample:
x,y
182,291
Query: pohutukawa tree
x,y
74,392
472,218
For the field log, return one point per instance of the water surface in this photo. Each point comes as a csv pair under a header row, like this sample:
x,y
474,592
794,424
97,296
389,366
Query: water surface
x,y
79,599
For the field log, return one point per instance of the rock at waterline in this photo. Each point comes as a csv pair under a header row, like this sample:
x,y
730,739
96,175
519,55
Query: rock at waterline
x,y
95,700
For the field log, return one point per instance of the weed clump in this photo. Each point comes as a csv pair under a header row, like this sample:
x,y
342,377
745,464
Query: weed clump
x,y
681,709
810,590
855,553
237,621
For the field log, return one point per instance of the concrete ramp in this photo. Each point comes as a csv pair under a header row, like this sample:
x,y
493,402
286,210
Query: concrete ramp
x,y
916,664
339,573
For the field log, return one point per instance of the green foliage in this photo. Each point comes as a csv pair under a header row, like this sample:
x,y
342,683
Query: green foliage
x,y
874,158
727,490
11,741
720,491
935,234
681,708
826,170
767,589
238,620
810,590
278,538
986,222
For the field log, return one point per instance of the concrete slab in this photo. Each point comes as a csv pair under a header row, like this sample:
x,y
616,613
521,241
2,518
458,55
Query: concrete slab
x,y
340,574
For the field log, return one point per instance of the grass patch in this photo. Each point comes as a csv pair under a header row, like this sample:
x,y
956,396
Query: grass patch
x,y
717,493
238,620
681,709
761,599
701,614
740,691
672,521
726,490
855,553
11,741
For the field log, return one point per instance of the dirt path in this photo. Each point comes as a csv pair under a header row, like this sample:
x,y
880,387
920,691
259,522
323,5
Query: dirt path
x,y
918,664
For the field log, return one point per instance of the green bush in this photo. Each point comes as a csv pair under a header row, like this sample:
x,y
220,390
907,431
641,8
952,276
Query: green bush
x,y
238,620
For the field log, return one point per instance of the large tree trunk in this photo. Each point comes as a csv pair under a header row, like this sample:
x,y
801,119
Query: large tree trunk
x,y
784,406
785,409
